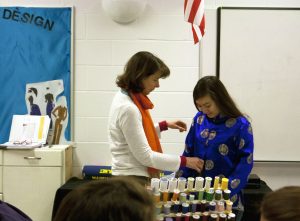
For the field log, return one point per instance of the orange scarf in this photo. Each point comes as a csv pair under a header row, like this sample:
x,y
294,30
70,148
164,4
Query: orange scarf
x,y
144,104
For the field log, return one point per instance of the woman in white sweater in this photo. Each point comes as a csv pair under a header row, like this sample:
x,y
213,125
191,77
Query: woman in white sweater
x,y
133,137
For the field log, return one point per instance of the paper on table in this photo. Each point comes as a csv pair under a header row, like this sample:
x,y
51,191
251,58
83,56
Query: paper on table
x,y
28,131
12,145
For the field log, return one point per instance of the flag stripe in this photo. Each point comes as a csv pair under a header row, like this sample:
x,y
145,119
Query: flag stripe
x,y
197,31
200,13
202,25
195,36
187,11
194,10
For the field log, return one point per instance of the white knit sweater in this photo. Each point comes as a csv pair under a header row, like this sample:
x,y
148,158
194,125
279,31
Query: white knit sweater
x,y
131,153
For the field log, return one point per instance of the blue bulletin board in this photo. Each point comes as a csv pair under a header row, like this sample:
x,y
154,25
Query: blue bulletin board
x,y
35,67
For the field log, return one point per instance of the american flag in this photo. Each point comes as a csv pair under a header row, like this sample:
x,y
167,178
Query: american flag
x,y
194,14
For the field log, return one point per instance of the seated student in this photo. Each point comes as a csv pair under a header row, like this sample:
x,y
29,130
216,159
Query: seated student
x,y
9,212
281,205
113,199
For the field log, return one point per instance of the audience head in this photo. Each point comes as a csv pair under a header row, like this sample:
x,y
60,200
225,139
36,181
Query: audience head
x,y
139,67
211,93
112,199
281,205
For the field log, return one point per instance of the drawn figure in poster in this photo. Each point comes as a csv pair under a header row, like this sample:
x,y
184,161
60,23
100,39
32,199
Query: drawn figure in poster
x,y
50,105
34,108
60,112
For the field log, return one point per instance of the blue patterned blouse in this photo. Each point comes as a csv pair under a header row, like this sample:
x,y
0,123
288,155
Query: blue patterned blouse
x,y
226,146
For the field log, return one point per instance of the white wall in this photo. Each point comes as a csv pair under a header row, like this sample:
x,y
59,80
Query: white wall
x,y
102,47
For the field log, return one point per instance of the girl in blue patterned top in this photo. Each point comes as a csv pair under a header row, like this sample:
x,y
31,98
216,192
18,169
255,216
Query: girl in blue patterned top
x,y
221,136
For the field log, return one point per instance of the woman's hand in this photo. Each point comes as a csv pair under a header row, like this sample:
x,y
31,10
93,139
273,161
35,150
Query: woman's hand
x,y
195,163
180,125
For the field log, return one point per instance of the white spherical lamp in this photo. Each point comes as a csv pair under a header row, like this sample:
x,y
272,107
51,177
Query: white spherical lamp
x,y
124,11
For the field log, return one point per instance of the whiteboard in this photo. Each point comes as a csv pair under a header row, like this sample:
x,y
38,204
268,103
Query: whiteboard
x,y
259,63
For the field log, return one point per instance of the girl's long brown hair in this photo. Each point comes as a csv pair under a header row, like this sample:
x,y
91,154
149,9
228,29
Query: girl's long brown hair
x,y
212,86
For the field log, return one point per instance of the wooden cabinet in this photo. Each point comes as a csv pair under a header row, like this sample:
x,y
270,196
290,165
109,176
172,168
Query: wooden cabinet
x,y
31,177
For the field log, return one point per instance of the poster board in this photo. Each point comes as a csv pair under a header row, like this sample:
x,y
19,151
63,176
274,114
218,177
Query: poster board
x,y
36,66
259,63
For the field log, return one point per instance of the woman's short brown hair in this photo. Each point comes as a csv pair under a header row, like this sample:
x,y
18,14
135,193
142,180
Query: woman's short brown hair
x,y
112,199
140,66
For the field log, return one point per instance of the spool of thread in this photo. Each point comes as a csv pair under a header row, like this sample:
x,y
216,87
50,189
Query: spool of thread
x,y
222,217
199,183
191,197
209,194
158,208
220,206
213,217
198,206
181,184
212,206
185,208
196,217
202,206
182,197
207,183
168,219
216,182
165,196
163,184
172,185
156,197
205,216
175,195
224,185
231,217
155,184
190,184
194,206
201,194
187,217
160,218
176,206
167,209
226,194
229,206
218,194
178,217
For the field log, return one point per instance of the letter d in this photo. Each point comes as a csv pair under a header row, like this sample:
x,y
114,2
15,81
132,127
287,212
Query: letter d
x,y
6,14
